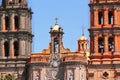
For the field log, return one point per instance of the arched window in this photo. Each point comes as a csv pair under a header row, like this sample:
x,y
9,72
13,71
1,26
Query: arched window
x,y
16,22
110,17
7,23
111,44
20,1
16,48
6,48
82,45
100,17
100,45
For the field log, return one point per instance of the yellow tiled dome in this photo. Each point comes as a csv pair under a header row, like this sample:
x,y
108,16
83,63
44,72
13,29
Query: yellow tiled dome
x,y
83,38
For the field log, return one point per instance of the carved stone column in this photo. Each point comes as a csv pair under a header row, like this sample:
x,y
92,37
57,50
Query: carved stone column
x,y
1,48
105,43
115,17
95,17
21,47
106,16
11,54
116,43
11,21
95,44
1,22
22,21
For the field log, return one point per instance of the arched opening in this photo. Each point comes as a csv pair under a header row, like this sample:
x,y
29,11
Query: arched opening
x,y
110,17
111,44
11,2
100,45
16,22
100,17
20,1
56,45
7,23
16,48
82,45
6,48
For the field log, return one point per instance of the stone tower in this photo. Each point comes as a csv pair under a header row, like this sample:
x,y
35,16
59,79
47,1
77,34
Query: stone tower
x,y
104,40
56,43
82,44
15,36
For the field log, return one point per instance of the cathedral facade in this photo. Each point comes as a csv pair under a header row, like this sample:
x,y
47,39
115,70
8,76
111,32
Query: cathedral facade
x,y
102,62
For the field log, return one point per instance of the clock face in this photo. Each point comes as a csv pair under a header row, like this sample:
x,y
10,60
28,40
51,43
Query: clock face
x,y
55,63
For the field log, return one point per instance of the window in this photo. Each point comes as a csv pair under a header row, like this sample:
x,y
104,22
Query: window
x,y
110,17
16,48
100,17
16,22
111,44
6,48
105,74
100,45
7,23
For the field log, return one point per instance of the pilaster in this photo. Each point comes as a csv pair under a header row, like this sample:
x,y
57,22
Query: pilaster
x,y
1,48
11,21
95,44
115,18
95,17
11,53
105,43
116,44
106,17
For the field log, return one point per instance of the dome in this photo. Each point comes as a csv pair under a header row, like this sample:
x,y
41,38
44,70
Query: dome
x,y
83,38
56,27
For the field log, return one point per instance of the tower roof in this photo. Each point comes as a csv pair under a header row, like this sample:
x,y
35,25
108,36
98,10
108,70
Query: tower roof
x,y
82,38
56,27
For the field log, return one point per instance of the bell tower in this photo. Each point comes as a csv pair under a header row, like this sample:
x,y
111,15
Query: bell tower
x,y
82,44
56,44
15,29
15,37
56,38
104,39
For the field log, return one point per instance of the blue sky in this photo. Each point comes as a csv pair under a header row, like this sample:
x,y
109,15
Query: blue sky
x,y
72,14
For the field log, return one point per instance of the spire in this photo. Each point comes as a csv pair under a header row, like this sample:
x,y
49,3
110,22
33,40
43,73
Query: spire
x,y
56,27
82,30
56,21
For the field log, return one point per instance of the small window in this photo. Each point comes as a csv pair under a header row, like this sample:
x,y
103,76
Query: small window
x,y
111,44
16,48
7,23
100,45
100,17
6,48
110,17
105,74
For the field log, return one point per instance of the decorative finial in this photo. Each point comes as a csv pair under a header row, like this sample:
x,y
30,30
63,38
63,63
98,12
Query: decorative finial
x,y
56,21
82,30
